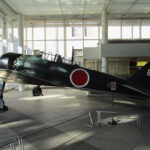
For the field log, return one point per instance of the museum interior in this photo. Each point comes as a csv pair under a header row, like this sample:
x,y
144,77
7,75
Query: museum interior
x,y
74,74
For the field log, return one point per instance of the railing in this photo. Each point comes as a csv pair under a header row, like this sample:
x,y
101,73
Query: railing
x,y
18,144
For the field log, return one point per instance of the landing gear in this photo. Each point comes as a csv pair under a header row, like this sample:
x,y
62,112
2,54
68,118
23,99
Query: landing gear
x,y
3,107
37,91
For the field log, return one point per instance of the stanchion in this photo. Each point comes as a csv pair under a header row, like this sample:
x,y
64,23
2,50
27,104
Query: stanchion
x,y
92,123
113,88
20,142
12,146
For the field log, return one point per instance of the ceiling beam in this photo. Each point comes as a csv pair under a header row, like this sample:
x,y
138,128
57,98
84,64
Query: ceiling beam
x,y
132,5
106,5
61,9
7,9
84,7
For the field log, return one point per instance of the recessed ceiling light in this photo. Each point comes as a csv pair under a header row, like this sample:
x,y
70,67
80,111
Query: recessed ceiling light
x,y
42,1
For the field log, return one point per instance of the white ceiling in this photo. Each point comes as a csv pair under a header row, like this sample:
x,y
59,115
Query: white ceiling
x,y
82,8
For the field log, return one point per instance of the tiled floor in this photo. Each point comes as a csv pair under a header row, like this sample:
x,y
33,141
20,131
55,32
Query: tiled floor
x,y
61,115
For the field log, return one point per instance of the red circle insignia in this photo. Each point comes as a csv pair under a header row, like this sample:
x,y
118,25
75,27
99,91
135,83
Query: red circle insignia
x,y
79,77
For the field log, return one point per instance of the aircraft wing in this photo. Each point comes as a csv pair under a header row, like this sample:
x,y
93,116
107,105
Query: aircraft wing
x,y
13,76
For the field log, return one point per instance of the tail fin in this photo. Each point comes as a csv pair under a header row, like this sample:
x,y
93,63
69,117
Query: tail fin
x,y
142,77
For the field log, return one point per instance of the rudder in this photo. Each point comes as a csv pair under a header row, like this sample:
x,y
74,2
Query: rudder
x,y
142,77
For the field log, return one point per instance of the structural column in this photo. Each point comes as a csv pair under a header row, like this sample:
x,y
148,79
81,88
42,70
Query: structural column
x,y
21,33
4,34
104,24
20,19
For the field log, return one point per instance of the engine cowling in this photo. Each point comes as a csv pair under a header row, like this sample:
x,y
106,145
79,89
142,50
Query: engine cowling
x,y
7,60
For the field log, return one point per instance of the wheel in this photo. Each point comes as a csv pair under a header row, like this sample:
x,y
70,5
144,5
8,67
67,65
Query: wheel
x,y
37,91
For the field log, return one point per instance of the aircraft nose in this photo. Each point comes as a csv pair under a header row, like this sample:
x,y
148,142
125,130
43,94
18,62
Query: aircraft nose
x,y
3,63
7,60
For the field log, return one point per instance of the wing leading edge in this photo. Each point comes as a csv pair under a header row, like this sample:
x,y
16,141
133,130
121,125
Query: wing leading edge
x,y
13,76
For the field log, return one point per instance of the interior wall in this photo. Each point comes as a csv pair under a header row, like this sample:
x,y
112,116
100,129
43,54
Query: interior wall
x,y
115,67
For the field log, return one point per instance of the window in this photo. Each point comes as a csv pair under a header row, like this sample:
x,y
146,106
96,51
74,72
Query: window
x,y
126,29
77,32
74,33
51,46
9,31
39,45
1,35
29,32
126,32
136,32
50,36
145,29
60,31
38,32
61,48
91,32
29,47
114,29
50,33
15,37
76,44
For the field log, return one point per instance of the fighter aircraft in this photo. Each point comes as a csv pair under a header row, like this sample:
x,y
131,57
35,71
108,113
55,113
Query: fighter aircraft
x,y
31,69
